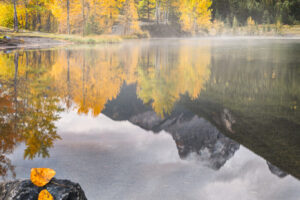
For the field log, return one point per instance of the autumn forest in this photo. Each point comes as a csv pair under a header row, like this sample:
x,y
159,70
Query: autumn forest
x,y
126,17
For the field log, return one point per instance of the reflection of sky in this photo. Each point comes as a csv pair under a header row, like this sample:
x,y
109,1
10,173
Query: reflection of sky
x,y
117,160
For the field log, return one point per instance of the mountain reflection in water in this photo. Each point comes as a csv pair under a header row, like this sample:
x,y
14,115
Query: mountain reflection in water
x,y
191,133
209,95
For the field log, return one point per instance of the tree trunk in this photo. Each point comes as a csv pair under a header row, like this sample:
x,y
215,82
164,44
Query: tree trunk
x,y
48,25
68,16
26,14
83,19
16,23
39,20
157,6
148,11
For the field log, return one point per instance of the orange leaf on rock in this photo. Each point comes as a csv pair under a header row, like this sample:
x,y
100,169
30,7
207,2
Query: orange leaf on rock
x,y
45,195
41,176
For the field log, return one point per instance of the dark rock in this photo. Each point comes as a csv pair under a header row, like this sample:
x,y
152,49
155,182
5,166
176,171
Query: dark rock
x,y
276,170
26,190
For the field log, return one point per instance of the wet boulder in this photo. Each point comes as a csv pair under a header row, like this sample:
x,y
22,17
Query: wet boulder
x,y
26,190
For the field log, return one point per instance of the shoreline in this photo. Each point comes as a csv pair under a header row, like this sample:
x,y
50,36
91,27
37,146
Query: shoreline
x,y
38,42
31,42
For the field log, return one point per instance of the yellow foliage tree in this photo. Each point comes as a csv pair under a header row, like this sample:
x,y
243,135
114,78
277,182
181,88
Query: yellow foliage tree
x,y
34,115
130,21
250,25
195,15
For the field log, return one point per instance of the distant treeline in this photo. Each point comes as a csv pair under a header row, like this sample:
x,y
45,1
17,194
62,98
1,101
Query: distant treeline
x,y
261,11
125,16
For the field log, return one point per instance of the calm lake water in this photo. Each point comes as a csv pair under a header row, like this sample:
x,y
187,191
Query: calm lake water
x,y
160,119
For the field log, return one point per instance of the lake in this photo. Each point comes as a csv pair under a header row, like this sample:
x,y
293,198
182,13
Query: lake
x,y
215,118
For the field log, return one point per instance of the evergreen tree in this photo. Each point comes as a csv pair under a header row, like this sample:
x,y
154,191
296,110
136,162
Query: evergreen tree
x,y
146,9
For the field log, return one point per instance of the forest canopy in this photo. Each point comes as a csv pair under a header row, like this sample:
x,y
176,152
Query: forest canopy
x,y
125,17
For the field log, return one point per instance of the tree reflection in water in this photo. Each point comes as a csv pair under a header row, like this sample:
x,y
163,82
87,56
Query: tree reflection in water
x,y
28,106
34,82
211,82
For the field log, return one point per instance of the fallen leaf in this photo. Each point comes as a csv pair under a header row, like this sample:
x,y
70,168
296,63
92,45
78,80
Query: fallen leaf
x,y
45,195
41,176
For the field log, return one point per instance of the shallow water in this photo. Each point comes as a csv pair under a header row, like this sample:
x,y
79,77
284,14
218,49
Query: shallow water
x,y
158,119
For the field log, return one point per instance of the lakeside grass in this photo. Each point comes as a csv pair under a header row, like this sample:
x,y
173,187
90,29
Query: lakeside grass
x,y
255,30
89,39
291,30
77,39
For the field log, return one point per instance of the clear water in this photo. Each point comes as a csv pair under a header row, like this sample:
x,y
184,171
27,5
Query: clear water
x,y
157,119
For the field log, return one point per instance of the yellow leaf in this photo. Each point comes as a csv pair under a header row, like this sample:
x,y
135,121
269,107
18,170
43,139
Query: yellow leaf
x,y
45,195
41,176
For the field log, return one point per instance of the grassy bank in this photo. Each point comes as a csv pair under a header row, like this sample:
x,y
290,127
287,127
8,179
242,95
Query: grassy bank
x,y
87,39
254,30
75,38
95,39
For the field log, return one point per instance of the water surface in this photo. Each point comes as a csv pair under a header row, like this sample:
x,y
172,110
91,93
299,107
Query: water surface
x,y
158,119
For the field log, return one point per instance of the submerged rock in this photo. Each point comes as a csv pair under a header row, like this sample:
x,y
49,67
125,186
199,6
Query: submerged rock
x,y
26,190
